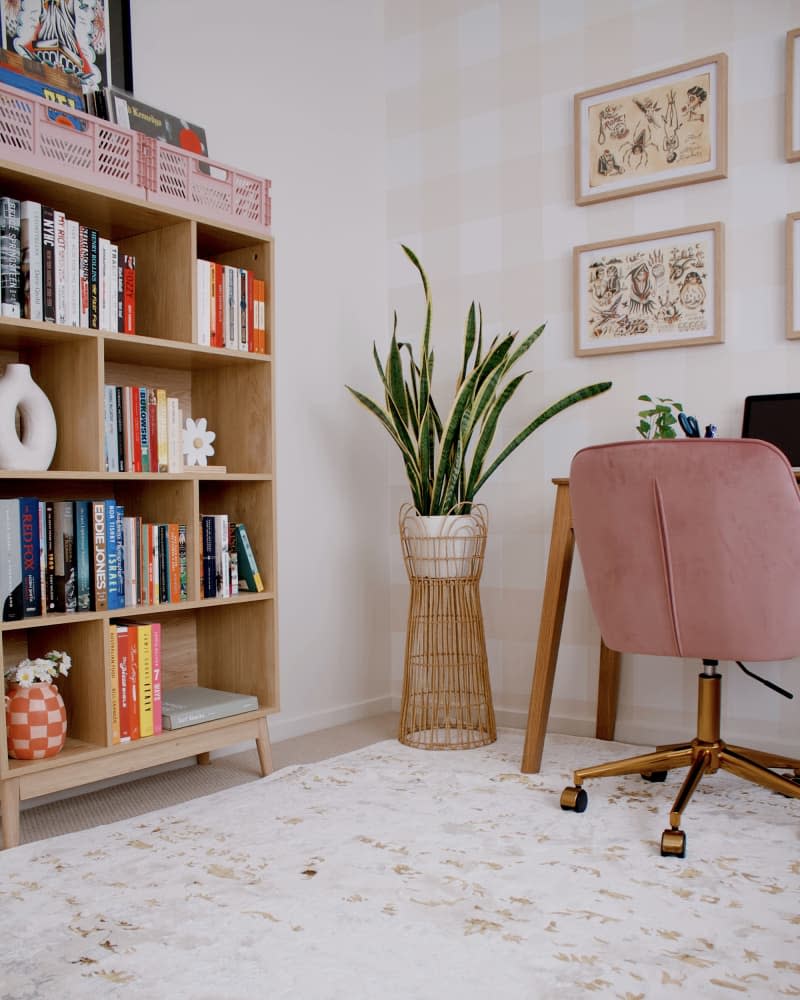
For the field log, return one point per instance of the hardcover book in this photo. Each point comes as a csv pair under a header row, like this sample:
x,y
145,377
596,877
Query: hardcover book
x,y
29,552
128,111
249,576
10,258
83,554
64,555
99,556
188,706
10,562
31,249
48,264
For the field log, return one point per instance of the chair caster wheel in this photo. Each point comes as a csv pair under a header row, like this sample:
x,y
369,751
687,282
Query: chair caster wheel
x,y
654,775
673,844
575,799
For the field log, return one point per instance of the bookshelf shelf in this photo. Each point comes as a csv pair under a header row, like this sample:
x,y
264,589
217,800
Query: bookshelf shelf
x,y
228,644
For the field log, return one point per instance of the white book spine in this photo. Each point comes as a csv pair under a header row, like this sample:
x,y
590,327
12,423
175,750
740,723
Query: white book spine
x,y
60,221
222,556
204,302
104,248
73,273
131,562
113,288
110,427
175,435
31,236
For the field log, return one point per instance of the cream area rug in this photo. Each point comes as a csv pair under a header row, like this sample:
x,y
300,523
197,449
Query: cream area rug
x,y
391,872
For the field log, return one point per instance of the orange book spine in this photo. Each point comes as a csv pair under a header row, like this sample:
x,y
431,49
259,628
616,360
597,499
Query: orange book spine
x,y
133,682
173,546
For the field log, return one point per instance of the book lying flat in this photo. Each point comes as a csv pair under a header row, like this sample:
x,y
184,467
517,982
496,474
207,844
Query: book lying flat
x,y
187,706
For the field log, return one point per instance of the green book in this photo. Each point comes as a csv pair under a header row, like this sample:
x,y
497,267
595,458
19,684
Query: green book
x,y
247,568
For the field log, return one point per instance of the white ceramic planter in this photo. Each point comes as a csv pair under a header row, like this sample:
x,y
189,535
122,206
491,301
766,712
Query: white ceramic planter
x,y
442,546
34,451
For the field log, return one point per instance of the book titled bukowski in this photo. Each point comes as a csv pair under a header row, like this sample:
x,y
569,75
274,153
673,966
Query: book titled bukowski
x,y
188,706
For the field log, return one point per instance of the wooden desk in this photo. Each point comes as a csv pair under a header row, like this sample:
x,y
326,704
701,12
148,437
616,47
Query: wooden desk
x,y
559,565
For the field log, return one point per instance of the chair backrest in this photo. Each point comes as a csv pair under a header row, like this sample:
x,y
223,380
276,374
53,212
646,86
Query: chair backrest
x,y
690,547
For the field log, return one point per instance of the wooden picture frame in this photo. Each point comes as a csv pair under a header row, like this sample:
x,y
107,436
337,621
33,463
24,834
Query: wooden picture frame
x,y
642,293
793,276
652,132
792,126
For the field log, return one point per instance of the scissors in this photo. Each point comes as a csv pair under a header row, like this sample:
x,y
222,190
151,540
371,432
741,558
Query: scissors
x,y
689,425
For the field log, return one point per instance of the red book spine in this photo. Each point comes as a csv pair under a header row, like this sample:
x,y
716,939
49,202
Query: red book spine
x,y
156,655
128,294
123,667
133,681
220,304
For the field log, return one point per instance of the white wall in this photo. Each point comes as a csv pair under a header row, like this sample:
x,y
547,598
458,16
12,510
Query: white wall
x,y
294,92
480,176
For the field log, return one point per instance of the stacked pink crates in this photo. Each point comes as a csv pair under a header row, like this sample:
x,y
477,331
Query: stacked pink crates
x,y
72,144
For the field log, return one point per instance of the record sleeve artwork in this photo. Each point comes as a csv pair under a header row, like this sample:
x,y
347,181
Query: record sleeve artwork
x,y
650,132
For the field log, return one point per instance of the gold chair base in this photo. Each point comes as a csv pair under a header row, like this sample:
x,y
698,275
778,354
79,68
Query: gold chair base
x,y
705,754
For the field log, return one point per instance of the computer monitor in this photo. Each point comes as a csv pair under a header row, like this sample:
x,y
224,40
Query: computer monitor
x,y
775,418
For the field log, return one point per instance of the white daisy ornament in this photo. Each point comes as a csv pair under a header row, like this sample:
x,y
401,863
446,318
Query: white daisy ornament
x,y
197,441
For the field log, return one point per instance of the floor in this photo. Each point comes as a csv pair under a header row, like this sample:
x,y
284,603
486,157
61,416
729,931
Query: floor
x,y
168,787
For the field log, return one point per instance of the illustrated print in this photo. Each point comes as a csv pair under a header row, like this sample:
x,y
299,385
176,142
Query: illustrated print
x,y
647,292
670,129
70,35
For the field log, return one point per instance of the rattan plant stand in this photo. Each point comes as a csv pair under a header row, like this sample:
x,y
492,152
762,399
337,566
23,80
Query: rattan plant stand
x,y
447,695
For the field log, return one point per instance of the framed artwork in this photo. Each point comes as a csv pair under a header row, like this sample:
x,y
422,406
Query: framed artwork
x,y
90,41
792,128
644,292
652,132
793,276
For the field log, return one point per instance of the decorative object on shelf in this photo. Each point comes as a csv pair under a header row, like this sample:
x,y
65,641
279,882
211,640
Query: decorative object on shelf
x,y
20,394
652,132
197,440
446,466
792,126
36,719
643,292
659,420
447,694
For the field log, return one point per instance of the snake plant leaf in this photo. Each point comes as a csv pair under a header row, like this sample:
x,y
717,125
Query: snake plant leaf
x,y
523,347
377,359
469,341
451,488
574,397
451,428
487,434
395,384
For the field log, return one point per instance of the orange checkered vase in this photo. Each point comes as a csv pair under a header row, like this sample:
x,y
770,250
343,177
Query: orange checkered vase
x,y
36,721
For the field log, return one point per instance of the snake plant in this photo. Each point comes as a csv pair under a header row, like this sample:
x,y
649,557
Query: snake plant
x,y
446,460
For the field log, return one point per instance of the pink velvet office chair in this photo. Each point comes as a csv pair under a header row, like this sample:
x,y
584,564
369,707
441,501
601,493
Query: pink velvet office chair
x,y
691,548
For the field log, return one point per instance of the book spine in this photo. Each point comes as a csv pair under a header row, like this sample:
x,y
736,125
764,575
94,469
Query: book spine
x,y
103,249
209,556
50,552
173,550
133,681
154,571
129,293
60,222
221,560
248,568
243,310
157,686
73,273
123,685
10,562
219,302
40,510
233,558
10,258
163,564
112,265
131,562
29,553
31,250
120,276
145,680
110,428
232,312
83,276
183,562
114,683
174,435
119,512
144,430
99,556
48,264
251,332
64,556
120,418
112,557
136,428
152,429
83,563
163,432
203,302
94,280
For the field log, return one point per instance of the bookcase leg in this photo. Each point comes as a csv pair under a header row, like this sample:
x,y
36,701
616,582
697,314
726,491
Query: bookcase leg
x,y
204,758
264,748
9,810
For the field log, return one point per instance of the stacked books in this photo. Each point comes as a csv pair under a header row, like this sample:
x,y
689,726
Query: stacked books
x,y
231,308
66,556
57,270
143,429
188,706
135,680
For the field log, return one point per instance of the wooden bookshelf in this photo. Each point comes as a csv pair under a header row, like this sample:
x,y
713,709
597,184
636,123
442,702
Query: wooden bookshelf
x,y
228,644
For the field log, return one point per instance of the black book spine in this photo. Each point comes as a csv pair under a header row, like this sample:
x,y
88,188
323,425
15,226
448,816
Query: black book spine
x,y
209,557
48,264
94,281
50,563
163,564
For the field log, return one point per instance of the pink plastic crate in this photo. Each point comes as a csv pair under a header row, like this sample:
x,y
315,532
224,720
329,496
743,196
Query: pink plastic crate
x,y
182,179
42,134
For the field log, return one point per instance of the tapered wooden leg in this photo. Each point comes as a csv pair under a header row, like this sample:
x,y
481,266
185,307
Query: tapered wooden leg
x,y
9,811
264,748
204,758
559,565
607,693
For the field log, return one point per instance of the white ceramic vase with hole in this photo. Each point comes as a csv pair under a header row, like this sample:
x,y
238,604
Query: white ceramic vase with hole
x,y
35,448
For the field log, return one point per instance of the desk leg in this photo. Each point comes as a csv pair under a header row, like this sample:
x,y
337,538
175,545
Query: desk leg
x,y
559,565
607,693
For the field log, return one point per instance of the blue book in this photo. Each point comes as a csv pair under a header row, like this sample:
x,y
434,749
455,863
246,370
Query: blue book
x,y
112,557
83,555
119,512
29,551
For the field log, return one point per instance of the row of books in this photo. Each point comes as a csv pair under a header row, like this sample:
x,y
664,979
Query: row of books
x,y
56,270
143,429
231,308
228,562
65,556
136,694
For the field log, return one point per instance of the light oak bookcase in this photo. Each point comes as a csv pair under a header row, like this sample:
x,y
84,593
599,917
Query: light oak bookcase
x,y
228,644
